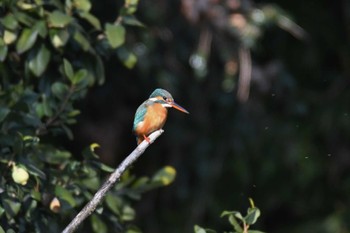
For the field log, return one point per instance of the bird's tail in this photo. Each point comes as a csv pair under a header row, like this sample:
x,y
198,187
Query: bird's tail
x,y
139,140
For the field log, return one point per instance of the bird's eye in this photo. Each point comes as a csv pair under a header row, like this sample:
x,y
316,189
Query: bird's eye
x,y
165,98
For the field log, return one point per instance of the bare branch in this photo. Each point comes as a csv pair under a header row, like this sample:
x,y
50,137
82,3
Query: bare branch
x,y
114,177
245,73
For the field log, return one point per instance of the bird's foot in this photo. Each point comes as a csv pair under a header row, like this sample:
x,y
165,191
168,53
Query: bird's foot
x,y
147,139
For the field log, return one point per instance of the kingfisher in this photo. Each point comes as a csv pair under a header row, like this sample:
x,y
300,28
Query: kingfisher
x,y
151,115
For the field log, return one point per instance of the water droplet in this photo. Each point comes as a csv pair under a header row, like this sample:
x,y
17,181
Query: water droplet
x,y
306,157
329,155
266,127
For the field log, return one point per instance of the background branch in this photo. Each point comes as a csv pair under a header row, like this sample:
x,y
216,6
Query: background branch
x,y
114,177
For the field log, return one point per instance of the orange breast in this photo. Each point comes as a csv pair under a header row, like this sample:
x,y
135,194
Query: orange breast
x,y
155,118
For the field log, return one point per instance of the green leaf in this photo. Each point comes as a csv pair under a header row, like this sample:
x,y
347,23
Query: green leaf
x,y
10,22
64,194
95,22
79,76
92,183
132,21
98,225
68,69
58,19
84,5
3,50
2,211
232,218
165,176
40,26
104,167
113,202
26,40
52,155
11,207
4,111
38,63
59,37
252,216
133,229
115,35
9,37
129,59
128,213
100,71
35,171
59,89
2,230
82,41
140,182
131,6
235,224
24,18
198,229
236,214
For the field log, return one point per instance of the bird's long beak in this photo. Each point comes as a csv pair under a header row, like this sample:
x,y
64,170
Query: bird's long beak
x,y
178,107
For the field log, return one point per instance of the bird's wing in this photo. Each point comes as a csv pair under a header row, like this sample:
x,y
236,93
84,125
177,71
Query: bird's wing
x,y
140,113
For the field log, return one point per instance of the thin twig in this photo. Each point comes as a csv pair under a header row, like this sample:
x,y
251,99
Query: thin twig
x,y
114,177
245,73
52,119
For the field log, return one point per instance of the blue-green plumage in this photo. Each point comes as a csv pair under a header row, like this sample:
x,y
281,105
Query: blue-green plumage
x,y
140,114
151,114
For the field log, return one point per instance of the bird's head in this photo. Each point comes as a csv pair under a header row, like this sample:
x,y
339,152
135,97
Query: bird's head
x,y
165,99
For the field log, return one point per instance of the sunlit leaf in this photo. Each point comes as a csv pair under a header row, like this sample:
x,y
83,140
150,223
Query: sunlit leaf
x,y
59,37
38,63
59,19
9,37
115,34
165,176
84,5
128,58
198,229
26,40
128,213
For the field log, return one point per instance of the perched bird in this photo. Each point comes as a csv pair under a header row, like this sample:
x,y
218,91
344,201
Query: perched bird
x,y
151,114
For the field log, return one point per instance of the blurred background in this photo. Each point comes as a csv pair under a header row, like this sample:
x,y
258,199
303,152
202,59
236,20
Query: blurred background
x,y
266,83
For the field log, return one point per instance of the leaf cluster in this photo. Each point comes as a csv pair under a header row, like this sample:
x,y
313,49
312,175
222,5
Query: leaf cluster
x,y
239,223
51,53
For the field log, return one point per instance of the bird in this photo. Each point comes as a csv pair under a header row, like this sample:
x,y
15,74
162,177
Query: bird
x,y
151,115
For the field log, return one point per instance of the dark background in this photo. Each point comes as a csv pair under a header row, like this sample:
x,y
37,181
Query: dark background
x,y
287,146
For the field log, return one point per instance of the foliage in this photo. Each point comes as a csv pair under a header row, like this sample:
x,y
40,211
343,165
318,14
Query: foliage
x,y
51,54
240,223
287,145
